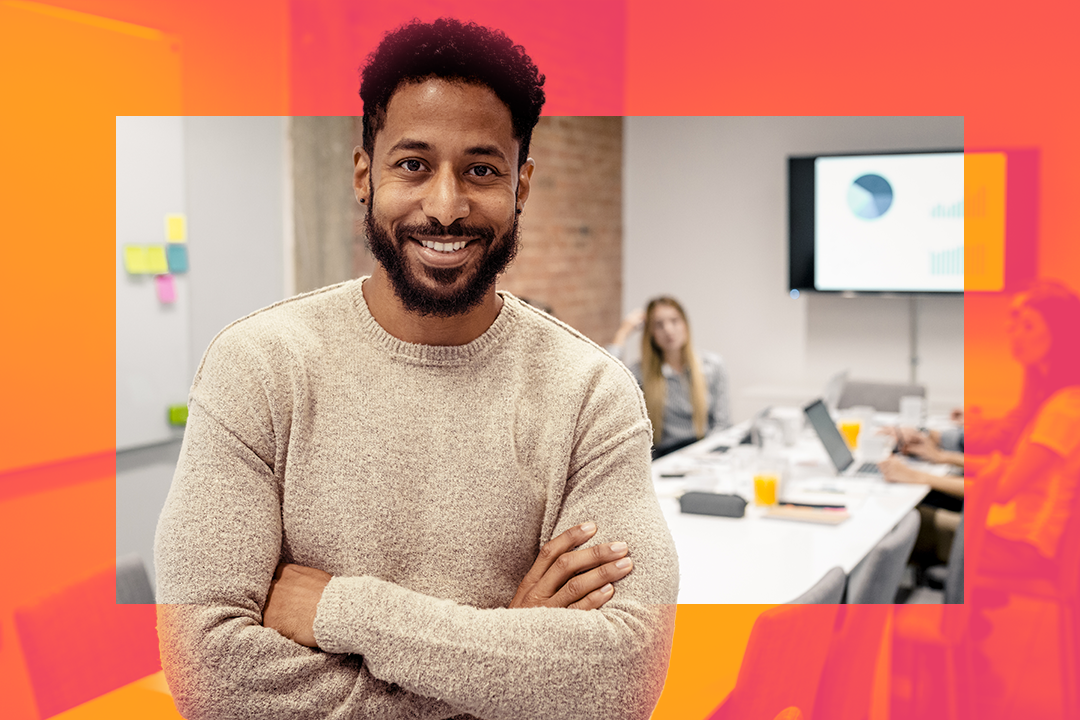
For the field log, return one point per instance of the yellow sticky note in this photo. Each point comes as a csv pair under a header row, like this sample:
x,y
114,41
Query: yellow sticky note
x,y
156,261
135,260
175,228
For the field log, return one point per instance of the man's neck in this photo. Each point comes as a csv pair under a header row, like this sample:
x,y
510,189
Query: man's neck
x,y
387,309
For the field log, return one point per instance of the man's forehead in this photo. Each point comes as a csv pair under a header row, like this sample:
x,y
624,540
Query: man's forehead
x,y
436,112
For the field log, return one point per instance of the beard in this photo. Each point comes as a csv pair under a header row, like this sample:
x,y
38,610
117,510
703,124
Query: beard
x,y
447,293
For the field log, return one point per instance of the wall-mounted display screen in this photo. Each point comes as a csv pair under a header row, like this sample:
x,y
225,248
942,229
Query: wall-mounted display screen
x,y
895,222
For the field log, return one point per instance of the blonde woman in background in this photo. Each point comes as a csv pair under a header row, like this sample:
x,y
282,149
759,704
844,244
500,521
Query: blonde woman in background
x,y
686,393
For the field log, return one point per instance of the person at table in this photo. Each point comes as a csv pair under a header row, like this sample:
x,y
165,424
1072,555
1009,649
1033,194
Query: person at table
x,y
939,511
1029,496
945,447
934,446
686,392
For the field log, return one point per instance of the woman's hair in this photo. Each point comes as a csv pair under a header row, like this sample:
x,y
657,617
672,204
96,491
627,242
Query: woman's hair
x,y
653,383
1059,308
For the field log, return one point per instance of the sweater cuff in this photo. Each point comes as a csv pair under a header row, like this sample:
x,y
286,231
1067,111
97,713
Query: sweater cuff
x,y
338,619
357,615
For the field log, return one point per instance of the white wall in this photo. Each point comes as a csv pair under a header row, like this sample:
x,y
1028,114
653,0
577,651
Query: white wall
x,y
236,184
705,218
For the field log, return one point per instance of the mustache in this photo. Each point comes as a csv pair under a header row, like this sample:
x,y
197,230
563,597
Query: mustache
x,y
435,229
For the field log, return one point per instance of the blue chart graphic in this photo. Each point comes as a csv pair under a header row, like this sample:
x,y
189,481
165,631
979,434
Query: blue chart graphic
x,y
956,210
870,196
947,262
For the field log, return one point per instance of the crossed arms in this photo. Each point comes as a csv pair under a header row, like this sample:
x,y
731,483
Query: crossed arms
x,y
389,651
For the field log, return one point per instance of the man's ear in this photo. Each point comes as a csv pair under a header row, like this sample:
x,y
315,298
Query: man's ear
x,y
361,171
524,179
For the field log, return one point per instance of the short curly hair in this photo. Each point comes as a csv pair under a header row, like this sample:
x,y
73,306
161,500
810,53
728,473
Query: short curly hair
x,y
451,49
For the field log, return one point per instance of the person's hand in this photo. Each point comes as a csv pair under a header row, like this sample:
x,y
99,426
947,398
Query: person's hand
x,y
894,469
563,577
920,445
294,597
634,320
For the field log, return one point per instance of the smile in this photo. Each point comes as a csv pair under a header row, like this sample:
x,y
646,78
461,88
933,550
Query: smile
x,y
443,247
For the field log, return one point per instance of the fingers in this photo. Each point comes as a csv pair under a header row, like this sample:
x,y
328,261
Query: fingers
x,y
555,548
589,588
564,575
594,600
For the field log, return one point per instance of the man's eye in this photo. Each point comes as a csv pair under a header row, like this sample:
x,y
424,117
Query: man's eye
x,y
411,165
482,171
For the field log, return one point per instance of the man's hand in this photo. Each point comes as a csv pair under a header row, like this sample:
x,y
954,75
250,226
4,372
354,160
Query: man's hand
x,y
567,578
294,596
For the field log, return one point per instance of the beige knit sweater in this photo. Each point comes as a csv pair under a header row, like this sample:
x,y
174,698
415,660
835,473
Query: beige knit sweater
x,y
424,479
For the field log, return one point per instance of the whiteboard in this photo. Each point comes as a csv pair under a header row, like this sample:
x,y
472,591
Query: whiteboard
x,y
153,366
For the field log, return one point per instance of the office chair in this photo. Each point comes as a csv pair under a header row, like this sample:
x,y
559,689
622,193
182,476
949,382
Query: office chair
x,y
883,397
950,576
782,664
829,590
79,644
876,579
847,681
1062,590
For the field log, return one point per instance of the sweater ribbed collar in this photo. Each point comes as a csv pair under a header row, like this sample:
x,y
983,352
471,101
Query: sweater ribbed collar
x,y
441,355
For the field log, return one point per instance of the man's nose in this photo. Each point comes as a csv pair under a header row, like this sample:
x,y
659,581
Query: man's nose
x,y
446,200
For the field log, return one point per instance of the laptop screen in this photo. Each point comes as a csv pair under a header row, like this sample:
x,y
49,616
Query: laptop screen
x,y
831,438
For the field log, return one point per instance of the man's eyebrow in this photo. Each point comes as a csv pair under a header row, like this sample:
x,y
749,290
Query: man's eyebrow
x,y
424,146
487,150
408,144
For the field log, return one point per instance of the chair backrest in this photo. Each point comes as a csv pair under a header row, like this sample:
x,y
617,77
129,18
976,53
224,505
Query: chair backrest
x,y
132,582
79,644
827,591
954,580
883,397
877,578
782,664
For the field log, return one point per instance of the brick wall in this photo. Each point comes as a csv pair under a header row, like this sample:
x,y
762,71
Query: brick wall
x,y
571,230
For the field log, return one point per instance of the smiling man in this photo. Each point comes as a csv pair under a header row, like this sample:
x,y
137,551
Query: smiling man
x,y
411,495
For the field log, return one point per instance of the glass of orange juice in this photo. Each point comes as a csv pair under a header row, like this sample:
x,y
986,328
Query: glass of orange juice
x,y
850,430
765,488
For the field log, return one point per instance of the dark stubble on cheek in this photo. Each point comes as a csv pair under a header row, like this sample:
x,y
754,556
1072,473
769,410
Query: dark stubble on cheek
x,y
448,296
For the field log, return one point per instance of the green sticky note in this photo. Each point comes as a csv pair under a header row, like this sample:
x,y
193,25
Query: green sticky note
x,y
175,228
178,415
135,261
156,261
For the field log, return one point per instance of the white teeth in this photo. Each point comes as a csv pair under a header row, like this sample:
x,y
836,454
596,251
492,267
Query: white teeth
x,y
442,247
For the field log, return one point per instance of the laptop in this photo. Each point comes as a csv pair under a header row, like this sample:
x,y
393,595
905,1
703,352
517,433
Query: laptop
x,y
834,443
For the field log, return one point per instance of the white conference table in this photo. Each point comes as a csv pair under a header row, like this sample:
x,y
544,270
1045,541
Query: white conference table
x,y
754,559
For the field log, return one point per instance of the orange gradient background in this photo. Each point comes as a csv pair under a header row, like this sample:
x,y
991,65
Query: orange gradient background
x,y
68,70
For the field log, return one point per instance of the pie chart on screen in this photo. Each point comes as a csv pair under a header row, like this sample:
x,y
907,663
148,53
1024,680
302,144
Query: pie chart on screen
x,y
870,196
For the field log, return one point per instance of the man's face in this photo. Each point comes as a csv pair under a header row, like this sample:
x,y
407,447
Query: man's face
x,y
444,190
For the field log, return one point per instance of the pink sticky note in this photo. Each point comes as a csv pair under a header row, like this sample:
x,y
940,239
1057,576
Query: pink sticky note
x,y
166,289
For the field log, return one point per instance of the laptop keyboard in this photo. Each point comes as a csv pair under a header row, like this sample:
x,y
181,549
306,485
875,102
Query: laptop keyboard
x,y
868,468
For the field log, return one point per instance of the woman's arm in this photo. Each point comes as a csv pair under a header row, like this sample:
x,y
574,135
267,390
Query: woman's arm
x,y
1032,460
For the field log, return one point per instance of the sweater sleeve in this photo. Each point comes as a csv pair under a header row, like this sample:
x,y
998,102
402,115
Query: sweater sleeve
x,y
218,543
540,662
